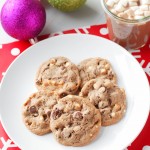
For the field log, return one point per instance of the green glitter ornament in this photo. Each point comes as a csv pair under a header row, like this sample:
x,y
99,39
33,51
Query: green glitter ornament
x,y
67,5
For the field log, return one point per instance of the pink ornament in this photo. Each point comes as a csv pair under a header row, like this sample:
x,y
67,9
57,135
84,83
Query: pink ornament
x,y
23,19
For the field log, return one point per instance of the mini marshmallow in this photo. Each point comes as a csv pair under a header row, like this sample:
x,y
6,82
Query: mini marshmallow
x,y
115,6
133,4
110,3
123,15
114,11
134,8
139,12
124,3
129,12
119,8
129,9
146,2
144,7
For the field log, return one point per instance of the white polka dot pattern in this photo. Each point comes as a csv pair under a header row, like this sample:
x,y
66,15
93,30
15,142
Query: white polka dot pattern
x,y
146,148
3,73
1,46
15,51
103,31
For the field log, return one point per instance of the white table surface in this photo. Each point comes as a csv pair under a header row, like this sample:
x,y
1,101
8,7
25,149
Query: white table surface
x,y
90,14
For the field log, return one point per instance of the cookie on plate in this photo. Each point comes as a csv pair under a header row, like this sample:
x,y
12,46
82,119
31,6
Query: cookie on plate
x,y
75,121
92,68
107,97
58,74
36,112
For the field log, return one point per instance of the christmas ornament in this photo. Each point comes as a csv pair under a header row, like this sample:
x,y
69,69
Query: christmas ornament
x,y
23,19
67,5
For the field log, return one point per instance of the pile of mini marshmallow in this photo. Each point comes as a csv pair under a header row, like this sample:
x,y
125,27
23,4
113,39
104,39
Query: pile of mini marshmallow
x,y
129,9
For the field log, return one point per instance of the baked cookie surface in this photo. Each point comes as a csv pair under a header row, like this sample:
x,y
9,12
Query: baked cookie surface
x,y
36,112
75,121
58,74
92,68
107,97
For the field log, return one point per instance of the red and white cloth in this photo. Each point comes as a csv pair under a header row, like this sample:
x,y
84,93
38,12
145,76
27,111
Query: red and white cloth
x,y
8,52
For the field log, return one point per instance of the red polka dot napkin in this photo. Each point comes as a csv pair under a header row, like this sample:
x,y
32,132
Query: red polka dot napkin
x,y
8,52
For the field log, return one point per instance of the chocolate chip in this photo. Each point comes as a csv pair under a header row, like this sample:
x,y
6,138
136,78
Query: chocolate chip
x,y
29,123
96,105
33,110
70,124
56,113
48,113
63,95
45,117
78,115
69,135
38,82
109,101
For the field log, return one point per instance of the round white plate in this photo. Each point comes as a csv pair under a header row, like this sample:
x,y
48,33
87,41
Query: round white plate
x,y
18,84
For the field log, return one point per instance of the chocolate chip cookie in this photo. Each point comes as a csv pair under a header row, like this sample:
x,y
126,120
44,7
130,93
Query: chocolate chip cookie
x,y
75,121
92,68
107,97
58,74
36,112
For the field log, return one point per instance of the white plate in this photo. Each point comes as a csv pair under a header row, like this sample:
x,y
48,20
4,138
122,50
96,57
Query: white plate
x,y
18,84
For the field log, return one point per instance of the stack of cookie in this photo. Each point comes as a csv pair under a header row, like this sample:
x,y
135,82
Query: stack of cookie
x,y
74,101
